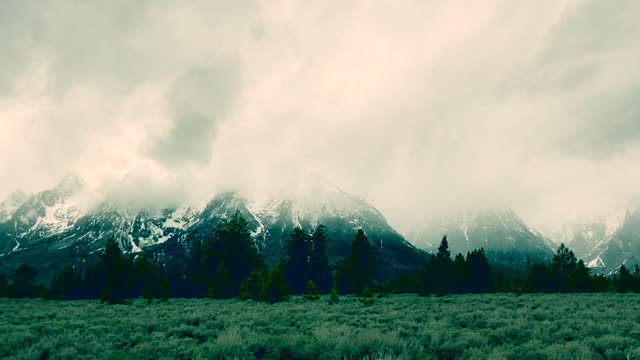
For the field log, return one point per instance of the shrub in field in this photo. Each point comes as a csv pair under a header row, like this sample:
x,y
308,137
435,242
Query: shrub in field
x,y
312,292
23,284
275,289
496,326
252,287
334,298
368,297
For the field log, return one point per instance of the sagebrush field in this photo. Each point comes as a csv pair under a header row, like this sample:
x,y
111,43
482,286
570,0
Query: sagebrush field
x,y
503,326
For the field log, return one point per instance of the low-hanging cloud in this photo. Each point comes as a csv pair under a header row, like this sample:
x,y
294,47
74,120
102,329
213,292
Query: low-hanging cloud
x,y
418,106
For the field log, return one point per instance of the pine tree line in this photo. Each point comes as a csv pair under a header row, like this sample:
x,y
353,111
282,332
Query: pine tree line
x,y
228,264
225,265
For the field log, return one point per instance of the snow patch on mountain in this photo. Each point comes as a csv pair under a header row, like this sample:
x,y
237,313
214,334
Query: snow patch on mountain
x,y
596,263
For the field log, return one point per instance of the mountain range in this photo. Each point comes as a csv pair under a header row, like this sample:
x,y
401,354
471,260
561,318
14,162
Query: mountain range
x,y
56,227
51,228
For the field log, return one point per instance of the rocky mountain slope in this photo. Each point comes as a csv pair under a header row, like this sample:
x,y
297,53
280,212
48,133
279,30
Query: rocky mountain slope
x,y
505,237
622,247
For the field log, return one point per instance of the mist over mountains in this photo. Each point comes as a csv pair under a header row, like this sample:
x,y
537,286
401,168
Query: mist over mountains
x,y
62,225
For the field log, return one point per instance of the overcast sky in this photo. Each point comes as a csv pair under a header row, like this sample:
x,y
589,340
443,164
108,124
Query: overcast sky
x,y
417,106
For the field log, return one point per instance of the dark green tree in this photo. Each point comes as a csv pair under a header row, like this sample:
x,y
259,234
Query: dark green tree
x,y
223,284
442,270
563,264
296,268
320,271
359,267
252,287
368,297
275,289
312,292
232,244
537,279
164,291
23,284
112,270
425,278
144,278
602,284
480,277
580,279
199,277
437,276
334,298
3,285
460,275
624,281
66,285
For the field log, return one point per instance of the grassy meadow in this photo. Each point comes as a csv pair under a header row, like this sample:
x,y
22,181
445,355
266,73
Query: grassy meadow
x,y
495,326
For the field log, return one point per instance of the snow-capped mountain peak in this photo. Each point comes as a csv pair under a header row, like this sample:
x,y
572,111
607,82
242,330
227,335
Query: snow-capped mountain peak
x,y
500,231
70,185
11,204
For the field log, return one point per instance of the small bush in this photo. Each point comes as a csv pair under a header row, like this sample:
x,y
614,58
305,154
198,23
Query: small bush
x,y
368,297
312,292
334,298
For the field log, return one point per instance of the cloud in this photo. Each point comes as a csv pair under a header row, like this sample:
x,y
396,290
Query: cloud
x,y
199,100
420,107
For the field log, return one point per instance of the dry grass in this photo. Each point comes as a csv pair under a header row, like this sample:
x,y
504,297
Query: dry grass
x,y
598,326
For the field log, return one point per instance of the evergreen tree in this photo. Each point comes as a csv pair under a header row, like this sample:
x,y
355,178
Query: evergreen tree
x,y
334,298
624,281
563,264
3,285
165,288
275,289
460,275
66,285
252,287
144,277
359,267
537,279
425,278
601,283
112,268
579,279
196,273
296,267
312,292
23,284
223,284
442,269
232,244
636,280
480,276
437,276
320,271
368,297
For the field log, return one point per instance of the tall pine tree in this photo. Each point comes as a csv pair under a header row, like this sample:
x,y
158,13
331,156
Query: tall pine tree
x,y
112,270
320,271
359,267
480,278
562,265
296,268
232,244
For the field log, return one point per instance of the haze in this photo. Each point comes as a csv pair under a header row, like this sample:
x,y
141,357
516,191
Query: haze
x,y
419,107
